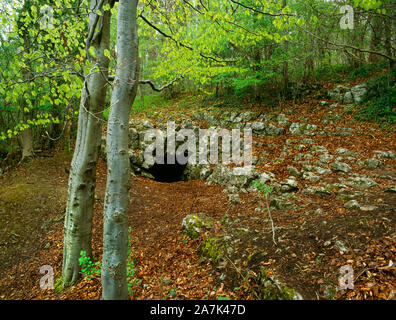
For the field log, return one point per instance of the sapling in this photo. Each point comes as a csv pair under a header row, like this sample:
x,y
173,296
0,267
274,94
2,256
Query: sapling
x,y
265,191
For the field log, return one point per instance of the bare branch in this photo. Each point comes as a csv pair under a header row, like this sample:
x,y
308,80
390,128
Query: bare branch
x,y
182,44
151,83
261,12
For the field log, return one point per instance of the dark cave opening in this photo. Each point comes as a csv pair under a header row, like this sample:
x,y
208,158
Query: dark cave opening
x,y
168,172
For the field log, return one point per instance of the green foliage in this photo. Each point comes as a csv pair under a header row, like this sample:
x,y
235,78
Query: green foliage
x,y
213,249
365,71
39,66
89,269
381,109
132,281
381,100
262,188
271,290
58,285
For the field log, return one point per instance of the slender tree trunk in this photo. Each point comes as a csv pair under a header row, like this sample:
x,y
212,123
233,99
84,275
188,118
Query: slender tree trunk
x,y
27,138
82,180
285,67
115,242
375,38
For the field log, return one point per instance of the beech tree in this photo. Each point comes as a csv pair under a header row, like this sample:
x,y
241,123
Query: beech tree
x,y
115,239
82,180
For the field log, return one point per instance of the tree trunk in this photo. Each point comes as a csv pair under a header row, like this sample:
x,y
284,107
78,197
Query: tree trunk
x,y
285,67
82,180
375,38
27,138
115,242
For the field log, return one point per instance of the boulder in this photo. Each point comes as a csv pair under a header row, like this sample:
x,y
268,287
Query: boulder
x,y
352,204
341,167
307,175
386,154
289,185
263,129
359,93
195,224
373,163
293,171
360,182
301,128
282,203
338,92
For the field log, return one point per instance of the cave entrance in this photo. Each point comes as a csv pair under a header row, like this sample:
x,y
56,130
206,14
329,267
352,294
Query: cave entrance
x,y
168,172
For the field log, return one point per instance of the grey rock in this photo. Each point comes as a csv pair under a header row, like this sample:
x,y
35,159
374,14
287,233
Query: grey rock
x,y
310,176
386,154
326,158
359,92
194,224
368,208
263,129
341,167
348,98
320,170
282,119
266,177
341,246
318,149
300,128
352,204
360,182
281,203
133,138
373,163
308,141
293,171
289,185
234,198
391,189
338,92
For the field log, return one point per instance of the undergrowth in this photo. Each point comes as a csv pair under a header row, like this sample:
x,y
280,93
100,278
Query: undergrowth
x,y
90,269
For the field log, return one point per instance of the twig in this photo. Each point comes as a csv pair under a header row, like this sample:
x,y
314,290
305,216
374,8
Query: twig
x,y
270,217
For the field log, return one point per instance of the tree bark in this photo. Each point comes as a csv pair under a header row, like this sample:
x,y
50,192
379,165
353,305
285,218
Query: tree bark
x,y
115,242
376,22
27,138
285,67
82,179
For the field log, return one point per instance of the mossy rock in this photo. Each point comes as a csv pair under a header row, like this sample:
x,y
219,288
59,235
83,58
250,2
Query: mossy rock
x,y
272,289
195,224
213,248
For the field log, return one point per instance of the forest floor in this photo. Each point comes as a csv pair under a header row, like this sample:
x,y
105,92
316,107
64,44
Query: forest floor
x,y
168,263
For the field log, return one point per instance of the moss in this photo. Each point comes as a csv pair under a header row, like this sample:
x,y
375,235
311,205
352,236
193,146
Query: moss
x,y
330,292
16,193
271,289
194,224
213,248
59,286
147,175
